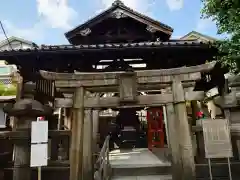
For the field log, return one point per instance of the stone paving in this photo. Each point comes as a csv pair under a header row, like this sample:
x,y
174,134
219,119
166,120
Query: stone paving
x,y
136,161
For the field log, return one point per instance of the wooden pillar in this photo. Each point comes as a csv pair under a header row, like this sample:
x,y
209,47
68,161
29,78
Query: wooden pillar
x,y
87,148
173,135
76,155
22,151
184,134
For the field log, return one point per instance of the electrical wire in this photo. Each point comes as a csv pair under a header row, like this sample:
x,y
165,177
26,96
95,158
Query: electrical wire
x,y
4,32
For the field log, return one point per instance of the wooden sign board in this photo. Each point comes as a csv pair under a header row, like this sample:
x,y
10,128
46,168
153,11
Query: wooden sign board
x,y
217,139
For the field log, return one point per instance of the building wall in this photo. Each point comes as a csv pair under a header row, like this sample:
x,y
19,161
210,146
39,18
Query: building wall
x,y
7,70
15,45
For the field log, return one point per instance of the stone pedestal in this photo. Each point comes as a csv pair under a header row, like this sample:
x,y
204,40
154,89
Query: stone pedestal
x,y
230,104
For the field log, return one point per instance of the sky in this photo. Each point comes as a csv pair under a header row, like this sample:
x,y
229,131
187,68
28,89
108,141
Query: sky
x,y
46,21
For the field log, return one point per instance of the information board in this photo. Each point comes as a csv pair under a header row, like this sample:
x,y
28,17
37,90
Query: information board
x,y
39,144
39,132
39,155
217,139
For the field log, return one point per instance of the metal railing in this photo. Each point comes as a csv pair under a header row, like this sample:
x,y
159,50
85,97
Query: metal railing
x,y
102,166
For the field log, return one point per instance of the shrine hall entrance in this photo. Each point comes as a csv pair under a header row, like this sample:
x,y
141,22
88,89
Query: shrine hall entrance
x,y
134,128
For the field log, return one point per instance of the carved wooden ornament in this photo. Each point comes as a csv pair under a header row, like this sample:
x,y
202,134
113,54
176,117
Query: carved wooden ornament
x,y
85,32
151,29
118,14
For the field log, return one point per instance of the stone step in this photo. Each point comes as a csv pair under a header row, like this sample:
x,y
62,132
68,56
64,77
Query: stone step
x,y
219,171
151,177
142,171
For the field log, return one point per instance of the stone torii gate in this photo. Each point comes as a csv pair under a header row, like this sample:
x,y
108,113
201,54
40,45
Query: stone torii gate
x,y
128,84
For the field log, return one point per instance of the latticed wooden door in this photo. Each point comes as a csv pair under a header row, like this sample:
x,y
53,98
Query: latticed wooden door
x,y
155,128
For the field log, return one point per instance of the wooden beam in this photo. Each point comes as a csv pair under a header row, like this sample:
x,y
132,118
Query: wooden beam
x,y
108,82
114,75
140,87
142,101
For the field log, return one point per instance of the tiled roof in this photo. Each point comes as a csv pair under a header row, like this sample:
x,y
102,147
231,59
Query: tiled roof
x,y
118,5
172,43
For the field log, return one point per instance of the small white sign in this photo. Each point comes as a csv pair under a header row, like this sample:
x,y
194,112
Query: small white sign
x,y
39,155
39,132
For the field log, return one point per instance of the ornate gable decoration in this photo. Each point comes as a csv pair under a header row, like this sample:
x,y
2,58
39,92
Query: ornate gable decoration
x,y
85,32
118,14
151,29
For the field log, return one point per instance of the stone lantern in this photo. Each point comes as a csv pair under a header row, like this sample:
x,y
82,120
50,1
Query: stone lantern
x,y
25,111
230,104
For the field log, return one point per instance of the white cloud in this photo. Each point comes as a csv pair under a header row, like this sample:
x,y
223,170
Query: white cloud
x,y
175,4
204,24
57,13
53,13
176,36
33,33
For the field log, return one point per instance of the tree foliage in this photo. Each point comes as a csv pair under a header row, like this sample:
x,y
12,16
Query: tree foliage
x,y
226,14
8,90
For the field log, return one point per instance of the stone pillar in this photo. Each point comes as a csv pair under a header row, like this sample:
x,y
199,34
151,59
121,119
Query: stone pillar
x,y
166,124
76,154
230,105
95,119
22,150
185,138
88,146
173,134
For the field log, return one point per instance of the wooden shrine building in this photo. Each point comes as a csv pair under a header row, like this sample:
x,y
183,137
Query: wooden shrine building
x,y
117,40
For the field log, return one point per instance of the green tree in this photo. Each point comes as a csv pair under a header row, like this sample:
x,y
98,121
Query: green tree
x,y
8,90
226,14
